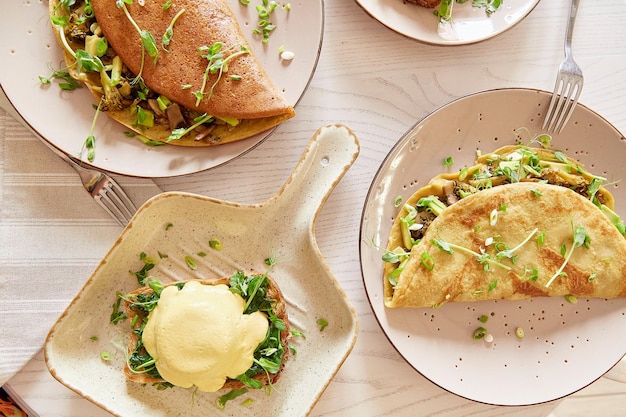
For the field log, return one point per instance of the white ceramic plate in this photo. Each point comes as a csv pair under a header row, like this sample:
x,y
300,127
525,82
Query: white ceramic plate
x,y
566,346
469,24
281,227
64,118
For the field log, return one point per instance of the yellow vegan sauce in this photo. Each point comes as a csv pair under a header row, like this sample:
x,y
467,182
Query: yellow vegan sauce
x,y
199,335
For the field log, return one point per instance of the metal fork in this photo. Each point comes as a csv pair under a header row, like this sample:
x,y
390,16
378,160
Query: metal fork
x,y
569,83
104,189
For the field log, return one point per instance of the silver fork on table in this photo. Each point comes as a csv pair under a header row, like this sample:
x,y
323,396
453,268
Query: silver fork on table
x,y
104,189
569,83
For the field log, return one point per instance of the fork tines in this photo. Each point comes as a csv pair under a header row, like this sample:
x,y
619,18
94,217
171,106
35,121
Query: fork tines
x,y
564,99
115,202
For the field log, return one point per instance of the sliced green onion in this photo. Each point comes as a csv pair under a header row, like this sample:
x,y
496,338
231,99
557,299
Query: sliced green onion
x,y
427,261
479,333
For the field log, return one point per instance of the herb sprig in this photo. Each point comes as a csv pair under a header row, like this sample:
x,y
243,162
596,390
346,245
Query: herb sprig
x,y
218,59
580,238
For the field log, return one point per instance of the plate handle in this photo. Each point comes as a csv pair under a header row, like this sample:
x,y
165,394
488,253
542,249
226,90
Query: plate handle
x,y
330,153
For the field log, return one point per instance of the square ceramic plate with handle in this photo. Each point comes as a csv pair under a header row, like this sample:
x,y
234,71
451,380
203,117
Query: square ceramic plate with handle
x,y
180,225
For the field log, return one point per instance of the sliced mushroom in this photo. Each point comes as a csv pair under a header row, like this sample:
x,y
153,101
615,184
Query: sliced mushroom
x,y
449,197
203,132
154,105
174,116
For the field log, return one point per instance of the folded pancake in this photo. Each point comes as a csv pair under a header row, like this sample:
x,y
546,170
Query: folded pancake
x,y
242,100
276,338
513,242
506,165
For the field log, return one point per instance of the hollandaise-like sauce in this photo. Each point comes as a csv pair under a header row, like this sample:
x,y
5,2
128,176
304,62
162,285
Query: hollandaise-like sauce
x,y
198,335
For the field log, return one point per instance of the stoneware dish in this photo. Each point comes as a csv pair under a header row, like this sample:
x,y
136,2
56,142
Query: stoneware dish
x,y
566,346
281,227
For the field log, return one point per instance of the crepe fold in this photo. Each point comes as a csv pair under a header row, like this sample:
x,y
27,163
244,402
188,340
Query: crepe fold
x,y
465,255
240,96
416,275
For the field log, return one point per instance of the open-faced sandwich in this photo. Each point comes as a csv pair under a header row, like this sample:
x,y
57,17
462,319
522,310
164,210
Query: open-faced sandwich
x,y
176,72
523,222
227,333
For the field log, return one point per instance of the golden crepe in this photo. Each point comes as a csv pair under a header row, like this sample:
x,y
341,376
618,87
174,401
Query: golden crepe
x,y
514,242
169,86
510,164
277,336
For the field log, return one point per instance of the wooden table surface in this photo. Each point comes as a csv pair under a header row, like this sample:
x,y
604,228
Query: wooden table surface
x,y
379,84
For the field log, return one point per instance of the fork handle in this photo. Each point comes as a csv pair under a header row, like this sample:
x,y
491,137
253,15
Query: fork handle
x,y
569,32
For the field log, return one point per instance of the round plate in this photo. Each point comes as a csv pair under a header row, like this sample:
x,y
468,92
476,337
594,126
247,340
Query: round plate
x,y
566,346
65,118
469,24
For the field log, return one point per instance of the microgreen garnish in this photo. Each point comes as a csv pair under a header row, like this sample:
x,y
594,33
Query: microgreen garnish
x,y
541,238
65,80
484,258
580,238
398,256
508,253
169,32
180,132
218,59
148,43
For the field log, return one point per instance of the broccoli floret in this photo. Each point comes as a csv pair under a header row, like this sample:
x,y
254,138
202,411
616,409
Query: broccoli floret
x,y
112,99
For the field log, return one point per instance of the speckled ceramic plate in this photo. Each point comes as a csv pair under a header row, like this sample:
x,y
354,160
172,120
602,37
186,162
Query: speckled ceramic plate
x,y
469,24
281,227
64,118
566,346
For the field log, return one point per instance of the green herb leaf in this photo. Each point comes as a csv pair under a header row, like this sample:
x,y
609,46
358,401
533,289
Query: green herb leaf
x,y
323,323
231,395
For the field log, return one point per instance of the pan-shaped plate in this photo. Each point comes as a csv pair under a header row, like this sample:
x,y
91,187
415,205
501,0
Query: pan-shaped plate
x,y
281,227
566,346
64,118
